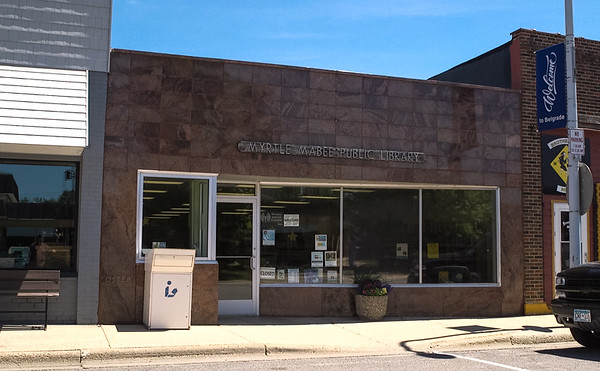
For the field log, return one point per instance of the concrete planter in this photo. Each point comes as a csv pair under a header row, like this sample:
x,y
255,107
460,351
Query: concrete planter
x,y
371,308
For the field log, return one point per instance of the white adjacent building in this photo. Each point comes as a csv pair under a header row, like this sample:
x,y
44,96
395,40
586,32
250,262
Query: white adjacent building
x,y
54,61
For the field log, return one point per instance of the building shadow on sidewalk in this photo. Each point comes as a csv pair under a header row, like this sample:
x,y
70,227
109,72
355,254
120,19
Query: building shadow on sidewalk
x,y
469,331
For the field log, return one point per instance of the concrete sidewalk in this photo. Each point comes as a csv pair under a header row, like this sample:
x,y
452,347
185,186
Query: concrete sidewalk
x,y
261,336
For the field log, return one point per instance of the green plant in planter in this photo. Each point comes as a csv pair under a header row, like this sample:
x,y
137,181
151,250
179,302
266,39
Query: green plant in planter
x,y
371,285
371,297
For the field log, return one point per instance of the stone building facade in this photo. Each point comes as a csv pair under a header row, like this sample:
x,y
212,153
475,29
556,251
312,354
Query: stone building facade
x,y
176,115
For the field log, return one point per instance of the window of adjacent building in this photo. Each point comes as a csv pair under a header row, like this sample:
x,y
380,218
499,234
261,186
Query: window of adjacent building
x,y
38,210
408,236
175,212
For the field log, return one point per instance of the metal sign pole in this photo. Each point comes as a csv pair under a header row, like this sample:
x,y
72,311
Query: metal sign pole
x,y
573,167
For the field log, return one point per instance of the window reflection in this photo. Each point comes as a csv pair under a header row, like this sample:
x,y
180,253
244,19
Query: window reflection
x,y
381,234
37,215
459,236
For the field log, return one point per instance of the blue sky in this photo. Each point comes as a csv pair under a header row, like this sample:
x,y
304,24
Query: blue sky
x,y
402,38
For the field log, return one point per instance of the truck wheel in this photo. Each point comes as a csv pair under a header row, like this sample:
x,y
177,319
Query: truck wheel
x,y
586,338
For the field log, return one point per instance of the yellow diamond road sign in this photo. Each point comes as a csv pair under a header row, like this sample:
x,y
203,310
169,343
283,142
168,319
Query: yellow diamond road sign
x,y
560,163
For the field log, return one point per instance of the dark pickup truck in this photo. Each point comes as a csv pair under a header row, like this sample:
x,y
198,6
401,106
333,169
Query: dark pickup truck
x,y
577,304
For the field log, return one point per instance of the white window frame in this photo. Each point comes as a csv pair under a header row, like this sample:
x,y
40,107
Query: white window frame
x,y
212,208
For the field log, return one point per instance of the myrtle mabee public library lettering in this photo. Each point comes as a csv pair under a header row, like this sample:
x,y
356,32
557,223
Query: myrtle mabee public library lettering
x,y
331,152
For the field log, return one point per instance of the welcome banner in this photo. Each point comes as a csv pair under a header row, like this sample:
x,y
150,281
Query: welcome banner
x,y
551,92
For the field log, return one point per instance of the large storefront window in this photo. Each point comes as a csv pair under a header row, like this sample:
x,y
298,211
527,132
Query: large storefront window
x,y
381,234
408,236
175,212
38,210
459,236
300,235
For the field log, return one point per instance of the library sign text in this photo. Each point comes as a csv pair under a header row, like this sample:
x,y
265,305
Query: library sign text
x,y
330,152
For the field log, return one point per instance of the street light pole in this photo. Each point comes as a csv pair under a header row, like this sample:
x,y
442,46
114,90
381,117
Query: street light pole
x,y
573,167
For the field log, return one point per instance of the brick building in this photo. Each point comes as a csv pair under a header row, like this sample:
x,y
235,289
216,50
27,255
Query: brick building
x,y
512,65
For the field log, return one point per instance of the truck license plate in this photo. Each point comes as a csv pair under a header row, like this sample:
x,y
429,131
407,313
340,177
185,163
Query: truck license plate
x,y
582,315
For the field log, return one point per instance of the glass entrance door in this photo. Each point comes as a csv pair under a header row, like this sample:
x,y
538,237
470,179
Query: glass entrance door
x,y
236,255
561,237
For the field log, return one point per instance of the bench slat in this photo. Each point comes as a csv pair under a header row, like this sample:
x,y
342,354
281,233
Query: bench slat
x,y
28,275
37,294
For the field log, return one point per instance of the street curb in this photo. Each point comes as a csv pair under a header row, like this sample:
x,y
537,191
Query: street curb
x,y
504,339
177,351
40,358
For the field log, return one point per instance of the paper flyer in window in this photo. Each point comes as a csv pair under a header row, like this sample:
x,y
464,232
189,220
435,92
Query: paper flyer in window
x,y
277,218
433,250
291,220
320,242
267,273
268,237
401,251
331,258
316,259
281,274
332,276
293,275
312,276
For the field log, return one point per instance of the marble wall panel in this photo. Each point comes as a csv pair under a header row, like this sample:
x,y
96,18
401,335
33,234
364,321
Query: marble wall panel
x,y
401,88
322,80
375,86
294,94
120,62
207,87
180,84
348,83
269,92
205,294
237,72
320,139
348,128
266,107
297,78
375,102
321,112
293,124
180,67
472,178
325,97
494,153
338,302
494,179
375,130
294,110
426,92
321,126
348,141
348,99
208,69
348,114
267,75
297,301
375,116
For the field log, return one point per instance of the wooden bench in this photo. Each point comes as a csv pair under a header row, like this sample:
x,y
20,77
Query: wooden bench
x,y
30,284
